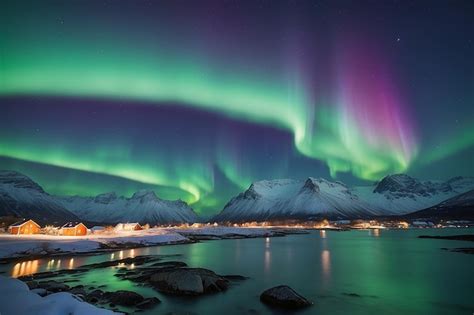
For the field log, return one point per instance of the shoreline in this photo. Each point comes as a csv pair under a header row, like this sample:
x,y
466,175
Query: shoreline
x,y
14,248
39,246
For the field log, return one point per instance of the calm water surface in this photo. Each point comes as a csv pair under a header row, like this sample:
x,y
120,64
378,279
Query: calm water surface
x,y
392,271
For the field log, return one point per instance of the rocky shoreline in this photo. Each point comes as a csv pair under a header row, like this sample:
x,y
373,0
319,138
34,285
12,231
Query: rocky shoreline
x,y
166,277
103,248
464,237
162,273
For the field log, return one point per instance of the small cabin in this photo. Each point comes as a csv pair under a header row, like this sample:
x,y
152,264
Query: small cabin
x,y
74,229
24,227
128,227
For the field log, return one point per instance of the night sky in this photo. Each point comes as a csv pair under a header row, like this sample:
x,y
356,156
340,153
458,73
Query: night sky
x,y
197,99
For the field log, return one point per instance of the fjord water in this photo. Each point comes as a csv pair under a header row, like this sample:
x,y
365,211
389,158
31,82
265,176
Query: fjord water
x,y
353,272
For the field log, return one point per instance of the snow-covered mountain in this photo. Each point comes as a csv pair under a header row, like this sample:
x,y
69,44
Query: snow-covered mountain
x,y
144,207
400,194
22,197
460,207
463,200
318,198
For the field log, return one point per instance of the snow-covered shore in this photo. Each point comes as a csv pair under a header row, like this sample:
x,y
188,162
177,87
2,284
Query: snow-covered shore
x,y
29,245
16,298
17,246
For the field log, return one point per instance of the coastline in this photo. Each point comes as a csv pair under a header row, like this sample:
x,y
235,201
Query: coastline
x,y
19,247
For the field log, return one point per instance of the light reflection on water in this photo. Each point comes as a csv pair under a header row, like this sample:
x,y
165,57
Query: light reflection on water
x,y
268,255
374,232
326,263
25,268
40,265
71,263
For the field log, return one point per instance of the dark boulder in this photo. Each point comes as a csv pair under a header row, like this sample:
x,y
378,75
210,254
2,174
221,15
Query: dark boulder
x,y
94,296
78,290
169,264
285,297
53,286
188,281
179,282
32,284
124,298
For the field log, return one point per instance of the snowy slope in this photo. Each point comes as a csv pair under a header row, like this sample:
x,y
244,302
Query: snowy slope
x,y
313,198
463,200
458,207
401,194
16,298
285,199
22,197
144,207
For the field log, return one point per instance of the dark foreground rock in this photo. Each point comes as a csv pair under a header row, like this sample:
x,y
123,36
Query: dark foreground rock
x,y
53,286
188,281
174,277
124,298
285,297
170,277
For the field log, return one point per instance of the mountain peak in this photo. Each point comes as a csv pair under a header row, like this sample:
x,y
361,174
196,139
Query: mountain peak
x,y
311,184
106,197
397,183
145,194
251,192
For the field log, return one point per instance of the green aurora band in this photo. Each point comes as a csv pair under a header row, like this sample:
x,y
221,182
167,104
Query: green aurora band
x,y
320,130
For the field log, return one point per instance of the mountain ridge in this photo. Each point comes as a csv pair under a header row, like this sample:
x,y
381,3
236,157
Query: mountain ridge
x,y
396,194
22,197
311,198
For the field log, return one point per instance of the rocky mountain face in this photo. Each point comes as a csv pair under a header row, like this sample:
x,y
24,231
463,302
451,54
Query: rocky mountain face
x,y
144,207
319,198
22,197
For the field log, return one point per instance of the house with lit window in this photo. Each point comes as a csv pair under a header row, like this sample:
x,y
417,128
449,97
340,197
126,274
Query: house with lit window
x,y
24,227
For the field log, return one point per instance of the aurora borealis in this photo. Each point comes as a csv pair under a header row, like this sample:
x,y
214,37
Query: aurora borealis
x,y
197,100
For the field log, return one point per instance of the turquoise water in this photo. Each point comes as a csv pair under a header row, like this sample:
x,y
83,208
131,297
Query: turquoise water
x,y
392,271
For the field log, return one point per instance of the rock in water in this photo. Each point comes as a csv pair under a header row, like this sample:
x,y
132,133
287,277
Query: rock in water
x,y
125,298
178,282
188,281
284,296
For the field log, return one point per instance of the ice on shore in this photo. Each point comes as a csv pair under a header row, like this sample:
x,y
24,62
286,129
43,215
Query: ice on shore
x,y
39,244
16,298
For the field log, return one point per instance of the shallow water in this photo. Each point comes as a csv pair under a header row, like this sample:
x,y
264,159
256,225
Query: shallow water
x,y
391,271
